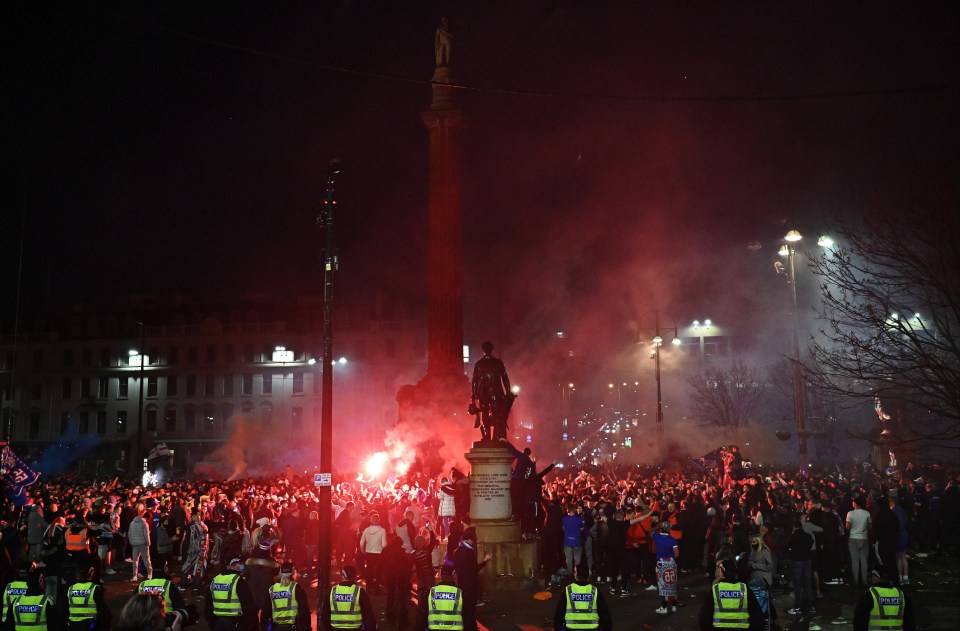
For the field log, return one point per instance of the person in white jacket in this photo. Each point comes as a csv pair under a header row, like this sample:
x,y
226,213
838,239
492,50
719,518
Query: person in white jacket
x,y
372,542
138,536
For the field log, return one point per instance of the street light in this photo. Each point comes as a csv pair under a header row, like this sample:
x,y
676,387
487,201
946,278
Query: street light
x,y
799,409
140,357
655,354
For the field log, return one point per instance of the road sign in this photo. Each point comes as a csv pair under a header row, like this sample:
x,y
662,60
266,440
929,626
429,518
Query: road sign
x,y
322,479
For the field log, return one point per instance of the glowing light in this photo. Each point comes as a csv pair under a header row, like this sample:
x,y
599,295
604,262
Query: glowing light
x,y
708,322
311,361
825,241
515,389
696,323
342,361
150,479
793,236
374,464
783,251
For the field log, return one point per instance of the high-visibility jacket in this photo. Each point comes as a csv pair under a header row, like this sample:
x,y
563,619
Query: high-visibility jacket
x,y
80,601
159,586
13,592
445,608
887,612
30,613
345,607
675,532
730,606
76,541
284,603
581,612
223,591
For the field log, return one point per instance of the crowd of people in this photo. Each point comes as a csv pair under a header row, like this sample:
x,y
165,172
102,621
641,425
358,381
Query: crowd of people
x,y
244,547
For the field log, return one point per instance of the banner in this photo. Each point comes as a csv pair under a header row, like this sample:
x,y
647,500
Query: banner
x,y
17,475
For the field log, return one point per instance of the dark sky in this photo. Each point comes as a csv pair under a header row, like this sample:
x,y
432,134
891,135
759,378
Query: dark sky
x,y
619,155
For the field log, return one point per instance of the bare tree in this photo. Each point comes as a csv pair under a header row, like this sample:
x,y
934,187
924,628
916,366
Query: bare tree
x,y
890,308
726,397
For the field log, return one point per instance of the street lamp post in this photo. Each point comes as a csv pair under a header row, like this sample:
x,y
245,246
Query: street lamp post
x,y
657,342
325,540
799,409
137,455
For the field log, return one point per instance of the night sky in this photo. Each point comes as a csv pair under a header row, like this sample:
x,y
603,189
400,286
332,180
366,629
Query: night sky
x,y
619,156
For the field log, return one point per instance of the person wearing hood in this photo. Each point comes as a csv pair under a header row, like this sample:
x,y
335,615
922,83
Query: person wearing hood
x,y
261,572
465,561
230,606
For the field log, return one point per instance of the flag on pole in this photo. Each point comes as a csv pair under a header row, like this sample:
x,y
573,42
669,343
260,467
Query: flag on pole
x,y
17,475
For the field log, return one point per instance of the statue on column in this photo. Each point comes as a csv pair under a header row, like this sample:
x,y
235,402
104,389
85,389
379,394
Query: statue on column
x,y
491,399
443,43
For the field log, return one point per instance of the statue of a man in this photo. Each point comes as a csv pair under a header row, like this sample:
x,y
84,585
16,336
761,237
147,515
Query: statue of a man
x,y
443,43
491,398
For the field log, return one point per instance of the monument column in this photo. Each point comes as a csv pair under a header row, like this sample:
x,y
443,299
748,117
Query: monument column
x,y
445,233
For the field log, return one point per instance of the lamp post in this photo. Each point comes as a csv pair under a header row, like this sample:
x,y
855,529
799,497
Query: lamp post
x,y
655,354
799,409
324,544
136,456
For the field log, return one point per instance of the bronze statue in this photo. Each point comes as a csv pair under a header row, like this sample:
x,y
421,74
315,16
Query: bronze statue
x,y
491,398
443,42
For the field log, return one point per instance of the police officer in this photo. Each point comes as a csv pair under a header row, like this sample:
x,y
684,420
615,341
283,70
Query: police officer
x,y
230,606
442,607
170,593
583,607
349,605
33,611
86,605
15,589
883,606
290,610
730,605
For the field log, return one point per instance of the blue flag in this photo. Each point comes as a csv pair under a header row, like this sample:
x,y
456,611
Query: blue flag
x,y
17,474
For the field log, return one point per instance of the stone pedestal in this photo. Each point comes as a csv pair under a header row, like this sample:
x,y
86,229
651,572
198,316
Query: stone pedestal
x,y
513,558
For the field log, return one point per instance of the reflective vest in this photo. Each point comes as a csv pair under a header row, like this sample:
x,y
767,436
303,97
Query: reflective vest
x,y
223,590
80,601
581,610
13,592
345,607
76,542
284,603
887,612
30,613
159,586
445,609
730,606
